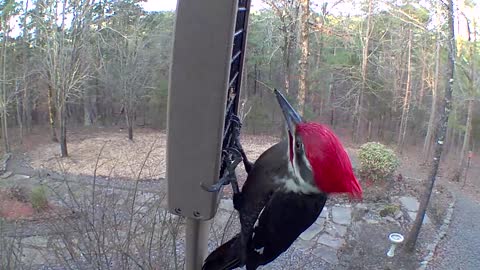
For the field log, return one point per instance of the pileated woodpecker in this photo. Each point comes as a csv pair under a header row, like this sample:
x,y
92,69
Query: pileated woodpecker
x,y
285,191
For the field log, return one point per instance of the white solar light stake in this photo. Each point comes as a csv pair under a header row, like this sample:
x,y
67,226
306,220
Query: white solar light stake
x,y
395,239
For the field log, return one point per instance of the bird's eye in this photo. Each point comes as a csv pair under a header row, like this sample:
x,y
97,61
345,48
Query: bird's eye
x,y
298,145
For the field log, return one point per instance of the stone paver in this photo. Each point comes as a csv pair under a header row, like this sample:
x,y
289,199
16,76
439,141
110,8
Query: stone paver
x,y
311,232
324,213
320,221
336,230
342,215
410,203
330,241
327,254
304,245
413,215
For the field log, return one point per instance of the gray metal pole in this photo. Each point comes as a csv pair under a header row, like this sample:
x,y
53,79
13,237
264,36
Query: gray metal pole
x,y
199,80
196,241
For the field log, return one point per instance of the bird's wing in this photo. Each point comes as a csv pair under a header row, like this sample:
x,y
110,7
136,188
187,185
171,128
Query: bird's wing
x,y
225,257
283,219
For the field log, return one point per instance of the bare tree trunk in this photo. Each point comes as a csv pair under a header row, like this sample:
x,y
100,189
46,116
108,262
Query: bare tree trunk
x,y
287,12
466,140
451,141
406,101
6,143
427,145
4,91
255,79
243,111
460,136
472,37
357,116
52,113
421,93
18,98
86,112
303,64
287,74
449,138
26,111
332,100
440,134
381,127
369,131
27,108
286,60
63,130
129,119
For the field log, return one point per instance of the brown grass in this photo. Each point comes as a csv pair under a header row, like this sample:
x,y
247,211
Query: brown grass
x,y
120,158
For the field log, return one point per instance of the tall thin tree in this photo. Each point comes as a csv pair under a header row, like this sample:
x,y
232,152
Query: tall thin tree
x,y
427,145
304,51
441,131
407,97
471,77
357,115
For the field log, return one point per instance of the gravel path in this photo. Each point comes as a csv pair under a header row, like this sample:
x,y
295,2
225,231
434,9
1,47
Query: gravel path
x,y
459,250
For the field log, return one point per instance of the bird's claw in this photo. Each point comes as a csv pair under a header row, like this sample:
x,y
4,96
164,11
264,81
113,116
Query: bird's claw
x,y
232,157
217,186
236,126
236,120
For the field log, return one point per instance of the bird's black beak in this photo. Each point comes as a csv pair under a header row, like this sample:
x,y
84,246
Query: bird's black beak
x,y
291,116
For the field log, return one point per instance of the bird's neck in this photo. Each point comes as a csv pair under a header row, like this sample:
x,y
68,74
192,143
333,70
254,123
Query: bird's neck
x,y
292,180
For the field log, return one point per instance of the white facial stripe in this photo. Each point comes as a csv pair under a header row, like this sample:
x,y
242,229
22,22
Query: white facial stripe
x,y
297,185
305,160
300,185
291,150
296,169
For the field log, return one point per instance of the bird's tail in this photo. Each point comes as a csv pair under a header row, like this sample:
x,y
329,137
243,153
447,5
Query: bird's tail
x,y
225,257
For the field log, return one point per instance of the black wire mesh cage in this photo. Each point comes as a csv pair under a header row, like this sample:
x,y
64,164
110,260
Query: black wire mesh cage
x,y
236,68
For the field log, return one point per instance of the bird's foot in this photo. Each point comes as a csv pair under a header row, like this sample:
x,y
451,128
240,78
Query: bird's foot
x,y
236,126
232,157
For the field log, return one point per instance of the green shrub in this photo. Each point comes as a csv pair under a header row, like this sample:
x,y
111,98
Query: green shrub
x,y
377,162
38,198
389,210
